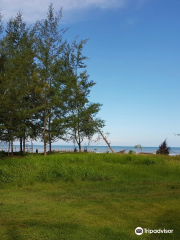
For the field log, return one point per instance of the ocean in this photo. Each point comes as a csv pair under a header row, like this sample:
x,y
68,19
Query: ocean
x,y
97,149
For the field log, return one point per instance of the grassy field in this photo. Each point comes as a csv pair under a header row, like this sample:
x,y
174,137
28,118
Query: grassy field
x,y
89,196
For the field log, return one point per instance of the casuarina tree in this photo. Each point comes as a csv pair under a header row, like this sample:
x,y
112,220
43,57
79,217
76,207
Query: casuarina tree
x,y
49,62
81,117
163,148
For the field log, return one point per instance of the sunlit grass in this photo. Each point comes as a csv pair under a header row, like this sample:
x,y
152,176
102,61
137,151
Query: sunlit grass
x,y
88,196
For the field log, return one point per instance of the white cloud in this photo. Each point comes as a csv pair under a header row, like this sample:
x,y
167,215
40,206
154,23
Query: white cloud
x,y
36,9
33,10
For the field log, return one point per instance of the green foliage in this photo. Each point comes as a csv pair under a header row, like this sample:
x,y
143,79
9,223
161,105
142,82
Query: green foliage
x,y
44,86
131,152
163,148
16,81
81,111
138,147
3,154
49,59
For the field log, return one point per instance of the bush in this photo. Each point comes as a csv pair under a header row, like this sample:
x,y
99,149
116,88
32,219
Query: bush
x,y
3,154
131,152
163,148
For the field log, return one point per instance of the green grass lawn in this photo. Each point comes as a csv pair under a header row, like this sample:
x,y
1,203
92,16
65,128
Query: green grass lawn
x,y
89,196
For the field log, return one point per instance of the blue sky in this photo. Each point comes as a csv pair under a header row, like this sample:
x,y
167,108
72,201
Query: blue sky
x,y
134,51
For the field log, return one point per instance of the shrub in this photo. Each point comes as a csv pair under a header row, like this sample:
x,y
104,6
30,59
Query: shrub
x,y
3,153
131,152
163,148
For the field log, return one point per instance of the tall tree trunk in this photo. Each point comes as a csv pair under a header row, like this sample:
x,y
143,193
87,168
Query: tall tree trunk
x,y
102,135
79,145
79,138
11,147
50,142
24,143
21,144
44,134
49,119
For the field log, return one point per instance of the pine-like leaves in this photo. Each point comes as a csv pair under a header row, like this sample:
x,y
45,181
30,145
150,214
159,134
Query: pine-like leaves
x,y
163,148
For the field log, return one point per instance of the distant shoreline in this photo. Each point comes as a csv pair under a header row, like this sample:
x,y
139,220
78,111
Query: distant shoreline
x,y
97,149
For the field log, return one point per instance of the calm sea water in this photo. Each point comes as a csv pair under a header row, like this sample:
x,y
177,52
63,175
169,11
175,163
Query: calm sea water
x,y
98,149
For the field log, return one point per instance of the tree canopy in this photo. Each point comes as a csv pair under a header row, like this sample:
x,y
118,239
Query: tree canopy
x,y
44,84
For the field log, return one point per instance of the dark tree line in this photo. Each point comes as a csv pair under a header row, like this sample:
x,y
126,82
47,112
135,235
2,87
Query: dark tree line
x,y
44,85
